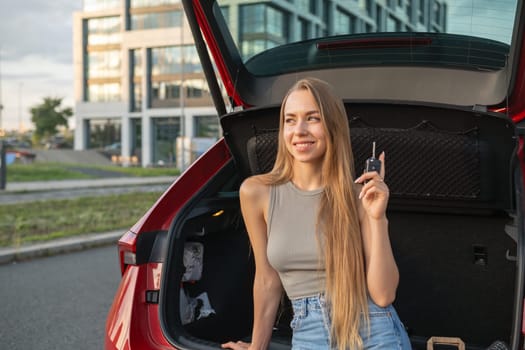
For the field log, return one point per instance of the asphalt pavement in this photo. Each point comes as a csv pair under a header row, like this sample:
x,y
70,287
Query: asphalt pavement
x,y
43,190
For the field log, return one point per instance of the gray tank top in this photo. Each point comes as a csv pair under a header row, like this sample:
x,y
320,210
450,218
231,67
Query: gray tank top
x,y
293,249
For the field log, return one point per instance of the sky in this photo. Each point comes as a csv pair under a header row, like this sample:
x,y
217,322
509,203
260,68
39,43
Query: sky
x,y
36,56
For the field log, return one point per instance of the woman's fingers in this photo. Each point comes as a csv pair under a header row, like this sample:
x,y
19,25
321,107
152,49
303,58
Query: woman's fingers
x,y
239,345
370,175
374,186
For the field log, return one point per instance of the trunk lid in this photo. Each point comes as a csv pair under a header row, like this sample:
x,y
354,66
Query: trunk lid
x,y
458,53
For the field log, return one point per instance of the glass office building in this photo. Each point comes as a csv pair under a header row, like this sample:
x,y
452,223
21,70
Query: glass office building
x,y
141,96
139,87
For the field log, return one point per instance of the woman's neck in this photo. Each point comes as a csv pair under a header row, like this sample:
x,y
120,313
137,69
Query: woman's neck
x,y
307,177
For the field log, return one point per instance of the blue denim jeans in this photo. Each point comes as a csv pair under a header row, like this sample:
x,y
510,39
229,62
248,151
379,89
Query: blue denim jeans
x,y
311,327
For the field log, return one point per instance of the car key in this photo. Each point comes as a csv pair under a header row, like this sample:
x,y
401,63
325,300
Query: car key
x,y
372,163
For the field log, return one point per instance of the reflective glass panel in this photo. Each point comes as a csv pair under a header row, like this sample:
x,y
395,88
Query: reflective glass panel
x,y
103,31
156,20
262,25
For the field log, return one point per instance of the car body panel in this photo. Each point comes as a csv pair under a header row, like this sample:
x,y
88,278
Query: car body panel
x,y
133,322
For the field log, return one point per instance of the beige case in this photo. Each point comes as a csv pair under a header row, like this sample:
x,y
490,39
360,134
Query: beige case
x,y
445,341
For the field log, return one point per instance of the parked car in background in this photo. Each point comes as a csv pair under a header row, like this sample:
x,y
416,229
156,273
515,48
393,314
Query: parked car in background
x,y
442,92
113,149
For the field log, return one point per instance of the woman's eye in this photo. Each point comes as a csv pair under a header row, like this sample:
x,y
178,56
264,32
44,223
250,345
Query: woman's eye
x,y
288,120
314,118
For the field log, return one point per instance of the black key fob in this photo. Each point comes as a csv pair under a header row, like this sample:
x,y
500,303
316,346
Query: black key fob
x,y
372,163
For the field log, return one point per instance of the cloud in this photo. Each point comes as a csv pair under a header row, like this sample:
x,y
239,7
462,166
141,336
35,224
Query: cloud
x,y
35,56
37,27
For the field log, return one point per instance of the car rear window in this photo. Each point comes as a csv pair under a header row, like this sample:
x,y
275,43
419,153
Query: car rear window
x,y
276,37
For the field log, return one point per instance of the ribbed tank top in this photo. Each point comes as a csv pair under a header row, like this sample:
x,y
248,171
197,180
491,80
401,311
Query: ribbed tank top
x,y
293,249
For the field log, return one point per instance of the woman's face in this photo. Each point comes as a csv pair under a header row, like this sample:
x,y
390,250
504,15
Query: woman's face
x,y
303,130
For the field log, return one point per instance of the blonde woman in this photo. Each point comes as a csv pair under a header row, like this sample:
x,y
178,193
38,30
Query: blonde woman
x,y
320,235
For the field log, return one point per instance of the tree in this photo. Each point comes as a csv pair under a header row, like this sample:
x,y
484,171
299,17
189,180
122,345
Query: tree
x,y
48,116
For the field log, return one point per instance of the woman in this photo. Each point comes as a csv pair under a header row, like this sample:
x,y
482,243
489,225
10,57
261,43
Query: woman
x,y
320,235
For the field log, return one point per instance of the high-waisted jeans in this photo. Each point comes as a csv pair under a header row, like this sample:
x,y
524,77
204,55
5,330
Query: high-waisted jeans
x,y
311,326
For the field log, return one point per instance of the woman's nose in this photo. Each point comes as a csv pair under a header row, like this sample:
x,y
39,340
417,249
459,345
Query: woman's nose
x,y
301,128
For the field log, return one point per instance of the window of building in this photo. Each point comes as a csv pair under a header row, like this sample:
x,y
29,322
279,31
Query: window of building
x,y
206,126
303,29
141,21
103,64
136,79
165,134
275,22
262,27
136,141
391,24
313,7
379,18
421,12
169,67
104,132
408,10
252,47
166,60
307,6
103,92
326,11
196,88
436,12
225,10
152,3
191,60
342,23
100,5
165,93
103,31
369,7
303,6
253,18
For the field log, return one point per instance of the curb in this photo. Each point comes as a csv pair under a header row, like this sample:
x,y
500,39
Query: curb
x,y
39,186
59,246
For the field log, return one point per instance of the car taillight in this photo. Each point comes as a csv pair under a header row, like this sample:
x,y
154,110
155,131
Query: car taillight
x,y
127,247
129,258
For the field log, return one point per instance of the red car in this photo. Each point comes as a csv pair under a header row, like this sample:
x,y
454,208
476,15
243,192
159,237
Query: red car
x,y
438,84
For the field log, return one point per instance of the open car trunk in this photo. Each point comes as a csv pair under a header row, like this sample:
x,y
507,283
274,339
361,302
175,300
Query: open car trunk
x,y
454,222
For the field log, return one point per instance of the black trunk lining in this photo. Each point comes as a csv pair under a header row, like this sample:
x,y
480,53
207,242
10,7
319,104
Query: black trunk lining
x,y
227,278
456,279
441,164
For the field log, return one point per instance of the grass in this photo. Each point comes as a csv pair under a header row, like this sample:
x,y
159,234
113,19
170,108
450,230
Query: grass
x,y
59,171
42,172
46,220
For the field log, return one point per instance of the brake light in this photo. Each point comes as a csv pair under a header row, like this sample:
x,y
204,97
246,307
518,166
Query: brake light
x,y
130,258
127,247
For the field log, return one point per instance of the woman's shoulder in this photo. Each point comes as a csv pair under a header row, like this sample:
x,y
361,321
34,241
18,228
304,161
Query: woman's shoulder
x,y
255,185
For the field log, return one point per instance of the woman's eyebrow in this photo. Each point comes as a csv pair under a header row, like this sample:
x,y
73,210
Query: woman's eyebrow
x,y
293,114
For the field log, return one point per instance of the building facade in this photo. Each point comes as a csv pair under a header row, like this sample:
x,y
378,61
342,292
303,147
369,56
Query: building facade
x,y
140,92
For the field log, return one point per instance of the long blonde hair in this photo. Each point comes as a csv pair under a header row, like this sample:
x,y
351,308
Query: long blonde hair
x,y
338,218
